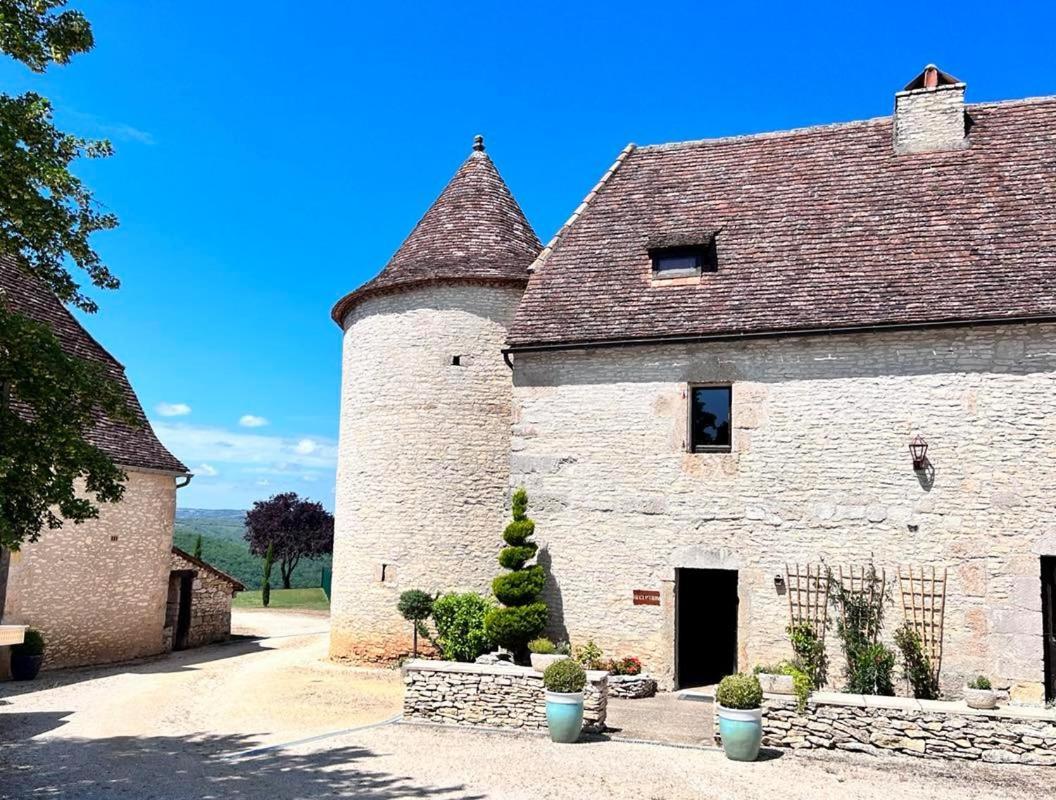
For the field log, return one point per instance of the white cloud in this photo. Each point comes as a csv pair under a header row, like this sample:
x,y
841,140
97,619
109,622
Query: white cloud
x,y
263,482
200,444
305,447
173,409
252,421
207,469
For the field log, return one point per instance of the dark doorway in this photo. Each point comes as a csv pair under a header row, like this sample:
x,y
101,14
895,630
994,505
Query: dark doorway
x,y
1048,622
705,625
183,617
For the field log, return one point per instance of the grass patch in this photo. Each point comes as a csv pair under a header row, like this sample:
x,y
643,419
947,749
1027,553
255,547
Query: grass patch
x,y
313,599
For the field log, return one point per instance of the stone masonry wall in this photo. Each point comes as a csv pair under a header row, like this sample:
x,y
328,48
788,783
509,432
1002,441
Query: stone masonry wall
x,y
98,590
492,696
423,465
928,120
210,605
927,729
820,469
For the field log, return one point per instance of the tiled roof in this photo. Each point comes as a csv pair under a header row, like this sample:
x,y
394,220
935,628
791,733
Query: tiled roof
x,y
818,228
128,445
236,585
473,231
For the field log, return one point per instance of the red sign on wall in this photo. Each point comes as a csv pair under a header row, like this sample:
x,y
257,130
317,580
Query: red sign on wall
x,y
646,597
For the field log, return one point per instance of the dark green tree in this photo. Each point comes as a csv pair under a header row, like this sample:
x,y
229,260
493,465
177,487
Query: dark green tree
x,y
415,606
265,588
198,547
522,615
48,398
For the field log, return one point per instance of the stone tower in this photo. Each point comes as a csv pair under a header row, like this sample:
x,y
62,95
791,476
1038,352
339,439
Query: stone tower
x,y
423,465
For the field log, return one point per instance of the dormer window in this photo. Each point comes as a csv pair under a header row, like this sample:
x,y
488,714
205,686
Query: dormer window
x,y
683,261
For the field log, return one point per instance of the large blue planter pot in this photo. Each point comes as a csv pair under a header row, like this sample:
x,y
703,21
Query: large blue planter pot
x,y
564,716
741,731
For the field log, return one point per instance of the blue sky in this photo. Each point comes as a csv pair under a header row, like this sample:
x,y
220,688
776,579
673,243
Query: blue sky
x,y
272,155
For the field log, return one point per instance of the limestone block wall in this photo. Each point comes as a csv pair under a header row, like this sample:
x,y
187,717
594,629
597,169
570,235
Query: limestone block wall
x,y
423,466
210,605
925,729
928,120
494,696
98,590
819,469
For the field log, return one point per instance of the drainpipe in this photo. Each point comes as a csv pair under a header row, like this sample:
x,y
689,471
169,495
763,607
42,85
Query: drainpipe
x,y
188,476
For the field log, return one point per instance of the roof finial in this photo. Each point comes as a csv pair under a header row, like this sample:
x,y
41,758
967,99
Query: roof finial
x,y
478,143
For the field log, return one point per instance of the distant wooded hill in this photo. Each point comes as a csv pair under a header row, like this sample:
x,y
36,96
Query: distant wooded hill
x,y
224,548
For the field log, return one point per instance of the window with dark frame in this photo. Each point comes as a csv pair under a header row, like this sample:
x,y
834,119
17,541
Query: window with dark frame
x,y
684,261
709,418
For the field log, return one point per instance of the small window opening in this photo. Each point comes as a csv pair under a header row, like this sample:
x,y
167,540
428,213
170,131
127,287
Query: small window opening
x,y
456,361
709,418
685,261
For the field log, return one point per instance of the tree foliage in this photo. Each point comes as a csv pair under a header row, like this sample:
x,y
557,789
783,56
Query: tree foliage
x,y
46,218
265,586
522,616
296,529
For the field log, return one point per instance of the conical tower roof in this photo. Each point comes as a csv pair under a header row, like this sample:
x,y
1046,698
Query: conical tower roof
x,y
474,231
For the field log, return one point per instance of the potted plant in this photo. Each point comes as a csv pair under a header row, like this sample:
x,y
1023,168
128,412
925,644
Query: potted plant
x,y
738,703
543,653
775,678
27,657
564,681
979,693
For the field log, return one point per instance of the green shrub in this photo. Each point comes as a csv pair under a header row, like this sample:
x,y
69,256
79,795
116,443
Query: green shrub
x,y
519,588
459,621
915,664
265,586
32,644
589,655
511,627
542,647
980,682
523,616
809,650
873,668
739,691
565,676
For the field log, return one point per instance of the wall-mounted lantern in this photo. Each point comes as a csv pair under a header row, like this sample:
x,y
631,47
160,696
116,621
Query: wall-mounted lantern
x,y
918,448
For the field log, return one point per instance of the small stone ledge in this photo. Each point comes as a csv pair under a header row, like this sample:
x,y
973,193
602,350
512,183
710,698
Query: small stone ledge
x,y
631,687
490,696
921,728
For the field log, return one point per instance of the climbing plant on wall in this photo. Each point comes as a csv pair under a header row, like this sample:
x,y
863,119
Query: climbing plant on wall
x,y
522,615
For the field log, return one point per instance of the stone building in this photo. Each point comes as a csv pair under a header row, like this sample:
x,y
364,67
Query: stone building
x,y
198,607
423,465
720,361
98,589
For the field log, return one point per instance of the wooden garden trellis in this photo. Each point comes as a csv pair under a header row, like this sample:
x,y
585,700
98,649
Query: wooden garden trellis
x,y
870,586
924,608
807,586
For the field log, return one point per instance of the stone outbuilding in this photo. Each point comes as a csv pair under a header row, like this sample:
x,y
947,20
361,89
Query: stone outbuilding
x,y
718,367
98,590
198,610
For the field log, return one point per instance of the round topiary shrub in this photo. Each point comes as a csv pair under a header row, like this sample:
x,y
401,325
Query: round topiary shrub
x,y
522,616
564,677
739,691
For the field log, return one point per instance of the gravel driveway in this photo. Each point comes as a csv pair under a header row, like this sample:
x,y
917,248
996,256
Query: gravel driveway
x,y
263,720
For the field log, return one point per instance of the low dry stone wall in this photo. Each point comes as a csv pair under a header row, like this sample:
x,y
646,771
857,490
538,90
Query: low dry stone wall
x,y
923,728
631,687
486,695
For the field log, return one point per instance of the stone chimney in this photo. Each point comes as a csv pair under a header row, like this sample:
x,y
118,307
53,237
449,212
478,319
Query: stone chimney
x,y
929,114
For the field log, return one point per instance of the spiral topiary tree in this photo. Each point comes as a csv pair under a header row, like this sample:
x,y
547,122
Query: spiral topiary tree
x,y
522,615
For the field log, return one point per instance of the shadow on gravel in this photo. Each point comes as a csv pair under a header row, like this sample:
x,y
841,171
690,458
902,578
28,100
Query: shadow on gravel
x,y
181,768
166,662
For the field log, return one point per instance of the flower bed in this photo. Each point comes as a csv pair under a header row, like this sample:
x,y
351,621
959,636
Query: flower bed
x,y
922,728
490,695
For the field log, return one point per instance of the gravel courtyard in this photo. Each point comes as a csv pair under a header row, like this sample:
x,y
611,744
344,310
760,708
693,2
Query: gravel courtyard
x,y
271,719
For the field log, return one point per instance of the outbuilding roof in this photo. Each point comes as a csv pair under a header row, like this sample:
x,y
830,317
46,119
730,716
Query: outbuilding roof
x,y
127,445
473,231
815,229
236,584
